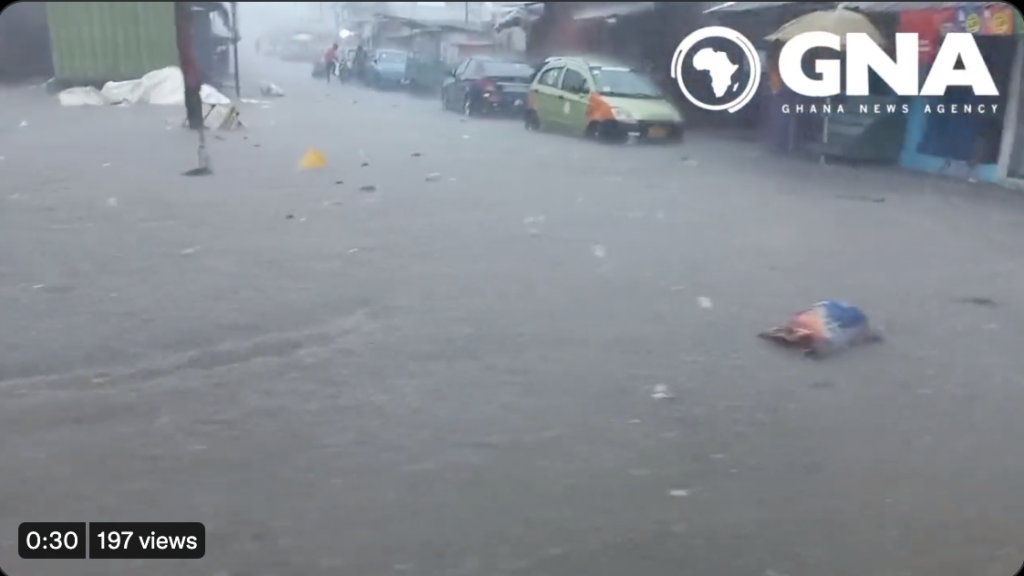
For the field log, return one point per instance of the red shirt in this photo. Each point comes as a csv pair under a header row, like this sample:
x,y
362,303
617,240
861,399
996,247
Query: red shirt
x,y
331,54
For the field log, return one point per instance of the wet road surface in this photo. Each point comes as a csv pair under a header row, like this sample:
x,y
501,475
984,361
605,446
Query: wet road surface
x,y
452,374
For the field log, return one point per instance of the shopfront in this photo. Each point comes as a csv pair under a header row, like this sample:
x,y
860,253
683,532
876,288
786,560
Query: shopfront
x,y
960,134
1011,157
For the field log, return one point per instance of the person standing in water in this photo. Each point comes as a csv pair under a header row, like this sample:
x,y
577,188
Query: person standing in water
x,y
331,61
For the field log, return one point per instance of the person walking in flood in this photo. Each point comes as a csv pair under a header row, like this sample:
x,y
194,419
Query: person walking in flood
x,y
331,61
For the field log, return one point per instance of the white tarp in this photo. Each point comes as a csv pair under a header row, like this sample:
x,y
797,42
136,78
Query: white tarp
x,y
164,87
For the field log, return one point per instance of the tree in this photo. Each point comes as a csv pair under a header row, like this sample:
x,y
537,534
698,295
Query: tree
x,y
189,64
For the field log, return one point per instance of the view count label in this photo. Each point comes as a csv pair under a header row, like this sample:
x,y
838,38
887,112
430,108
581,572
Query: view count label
x,y
147,540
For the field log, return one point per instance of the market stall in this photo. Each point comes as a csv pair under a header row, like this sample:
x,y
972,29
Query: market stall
x,y
960,134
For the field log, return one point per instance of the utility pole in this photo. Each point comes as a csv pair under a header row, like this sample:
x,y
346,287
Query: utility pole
x,y
188,63
465,6
190,73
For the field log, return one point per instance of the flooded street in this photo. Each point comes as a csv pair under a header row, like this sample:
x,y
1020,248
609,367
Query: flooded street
x,y
441,354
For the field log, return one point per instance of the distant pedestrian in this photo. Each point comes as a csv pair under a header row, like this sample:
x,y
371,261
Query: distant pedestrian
x,y
331,61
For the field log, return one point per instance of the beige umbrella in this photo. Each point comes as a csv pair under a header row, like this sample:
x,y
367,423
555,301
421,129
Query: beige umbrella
x,y
840,22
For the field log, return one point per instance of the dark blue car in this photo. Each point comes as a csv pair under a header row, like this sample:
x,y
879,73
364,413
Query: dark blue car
x,y
387,69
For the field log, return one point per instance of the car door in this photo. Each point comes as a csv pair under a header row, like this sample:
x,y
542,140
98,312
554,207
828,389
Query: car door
x,y
451,85
546,93
575,97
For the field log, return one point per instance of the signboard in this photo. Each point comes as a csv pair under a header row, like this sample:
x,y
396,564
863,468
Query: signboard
x,y
982,19
999,20
929,25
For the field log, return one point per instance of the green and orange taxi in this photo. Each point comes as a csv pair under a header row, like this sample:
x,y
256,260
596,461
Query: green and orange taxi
x,y
602,100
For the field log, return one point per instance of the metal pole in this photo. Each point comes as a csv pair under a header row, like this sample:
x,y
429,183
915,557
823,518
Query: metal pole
x,y
190,72
234,45
466,6
188,63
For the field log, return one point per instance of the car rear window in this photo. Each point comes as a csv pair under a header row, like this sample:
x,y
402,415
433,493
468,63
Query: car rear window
x,y
508,69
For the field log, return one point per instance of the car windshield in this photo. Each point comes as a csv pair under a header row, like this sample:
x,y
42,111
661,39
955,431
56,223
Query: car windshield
x,y
508,69
391,57
624,82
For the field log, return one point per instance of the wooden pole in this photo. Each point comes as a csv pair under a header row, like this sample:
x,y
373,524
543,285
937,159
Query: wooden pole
x,y
189,64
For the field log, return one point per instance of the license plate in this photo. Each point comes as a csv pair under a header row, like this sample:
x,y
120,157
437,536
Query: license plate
x,y
657,132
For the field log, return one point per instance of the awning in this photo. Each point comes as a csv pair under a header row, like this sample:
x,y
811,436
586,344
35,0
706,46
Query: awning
x,y
745,6
613,10
520,16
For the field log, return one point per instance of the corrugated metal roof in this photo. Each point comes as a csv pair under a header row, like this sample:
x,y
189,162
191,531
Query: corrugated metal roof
x,y
101,41
744,6
613,9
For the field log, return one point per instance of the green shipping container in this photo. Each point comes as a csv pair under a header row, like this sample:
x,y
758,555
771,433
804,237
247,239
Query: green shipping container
x,y
96,42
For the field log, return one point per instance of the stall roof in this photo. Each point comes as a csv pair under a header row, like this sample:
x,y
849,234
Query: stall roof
x,y
897,6
513,17
613,9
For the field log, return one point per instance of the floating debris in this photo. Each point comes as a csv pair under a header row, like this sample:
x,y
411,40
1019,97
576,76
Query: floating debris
x,y
978,301
533,224
433,177
856,198
678,493
704,302
190,251
270,89
599,251
368,188
200,171
661,392
828,327
312,159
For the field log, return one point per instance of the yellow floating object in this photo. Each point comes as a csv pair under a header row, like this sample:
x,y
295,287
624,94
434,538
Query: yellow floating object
x,y
312,159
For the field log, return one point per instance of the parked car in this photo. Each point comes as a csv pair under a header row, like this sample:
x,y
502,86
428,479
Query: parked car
x,y
482,85
387,69
601,100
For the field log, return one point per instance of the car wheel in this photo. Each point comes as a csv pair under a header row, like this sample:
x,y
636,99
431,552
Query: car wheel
x,y
602,135
532,121
468,108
